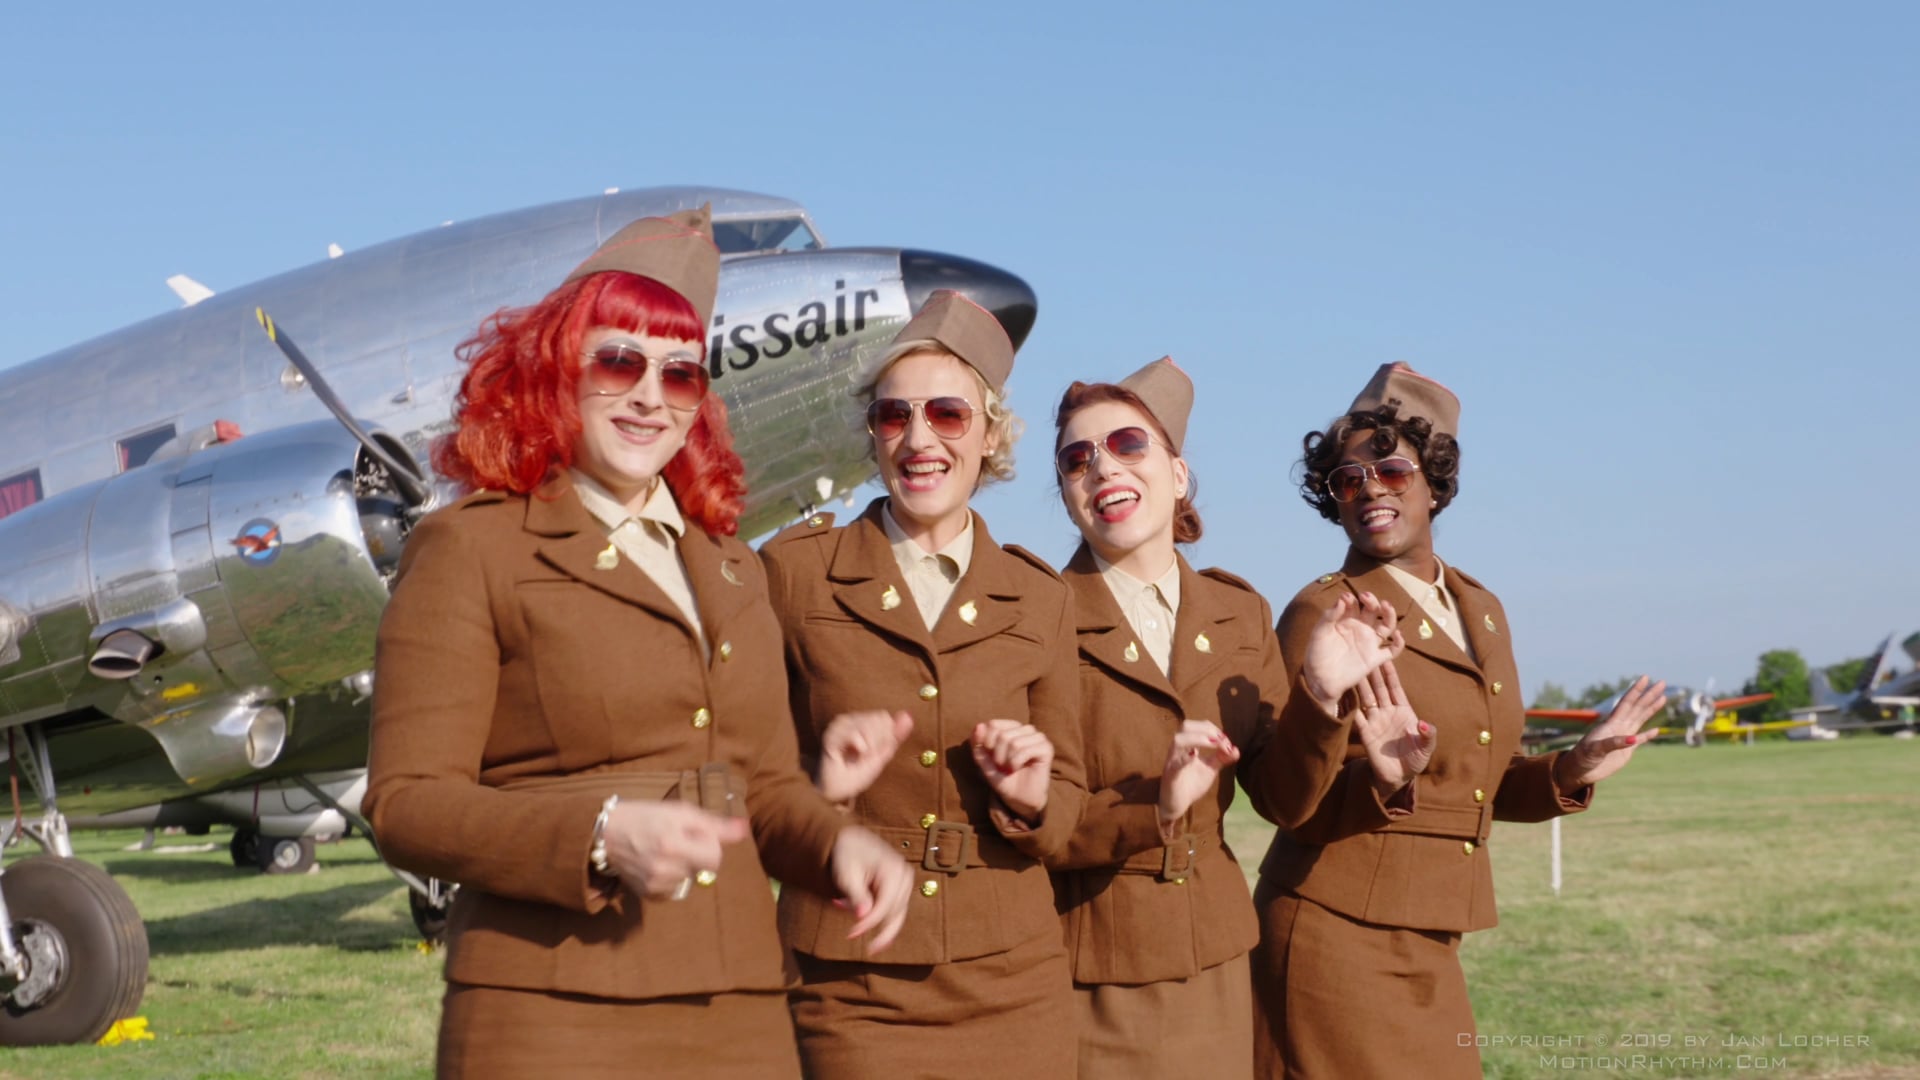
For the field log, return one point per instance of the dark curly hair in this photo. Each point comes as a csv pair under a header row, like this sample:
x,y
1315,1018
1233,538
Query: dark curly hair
x,y
1439,454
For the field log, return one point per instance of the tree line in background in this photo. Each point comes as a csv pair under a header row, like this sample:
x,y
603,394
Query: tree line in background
x,y
1781,672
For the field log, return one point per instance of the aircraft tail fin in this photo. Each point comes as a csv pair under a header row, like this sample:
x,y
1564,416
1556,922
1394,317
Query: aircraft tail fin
x,y
188,290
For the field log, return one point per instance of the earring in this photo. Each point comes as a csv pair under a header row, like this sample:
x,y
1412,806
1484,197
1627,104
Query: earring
x,y
1433,504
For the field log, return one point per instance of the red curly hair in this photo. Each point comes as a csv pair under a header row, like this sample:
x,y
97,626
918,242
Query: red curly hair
x,y
517,416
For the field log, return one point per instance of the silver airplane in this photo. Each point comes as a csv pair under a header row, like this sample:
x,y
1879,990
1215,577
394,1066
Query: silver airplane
x,y
194,554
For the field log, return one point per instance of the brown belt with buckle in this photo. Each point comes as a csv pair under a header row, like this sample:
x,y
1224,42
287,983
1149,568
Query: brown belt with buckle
x,y
713,787
1172,862
949,847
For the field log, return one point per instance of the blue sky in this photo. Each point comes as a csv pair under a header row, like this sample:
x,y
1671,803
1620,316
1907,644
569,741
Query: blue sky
x,y
1666,254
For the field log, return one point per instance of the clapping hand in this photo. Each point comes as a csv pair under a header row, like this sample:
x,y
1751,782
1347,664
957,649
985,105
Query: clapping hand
x,y
1399,744
1017,761
1609,744
1194,760
1353,637
855,748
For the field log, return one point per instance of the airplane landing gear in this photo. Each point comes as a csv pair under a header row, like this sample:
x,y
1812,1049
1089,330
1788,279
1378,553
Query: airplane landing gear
x,y
271,854
84,951
73,951
429,909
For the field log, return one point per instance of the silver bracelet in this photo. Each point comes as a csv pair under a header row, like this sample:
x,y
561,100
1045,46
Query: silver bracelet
x,y
597,856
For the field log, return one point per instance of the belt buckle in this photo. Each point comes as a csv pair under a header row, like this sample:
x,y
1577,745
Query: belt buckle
x,y
717,795
947,846
1176,859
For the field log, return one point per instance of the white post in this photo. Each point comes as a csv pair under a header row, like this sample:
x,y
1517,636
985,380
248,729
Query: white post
x,y
1556,856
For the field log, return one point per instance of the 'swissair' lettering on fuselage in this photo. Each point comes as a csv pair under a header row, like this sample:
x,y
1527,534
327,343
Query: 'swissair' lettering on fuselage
x,y
784,331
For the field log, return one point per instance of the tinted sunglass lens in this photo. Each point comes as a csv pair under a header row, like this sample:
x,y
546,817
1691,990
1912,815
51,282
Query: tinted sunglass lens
x,y
888,417
948,416
614,370
1129,444
1345,482
683,384
1074,459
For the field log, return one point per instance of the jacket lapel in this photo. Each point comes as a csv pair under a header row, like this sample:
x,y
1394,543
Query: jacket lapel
x,y
1366,575
1478,622
1202,637
986,599
575,544
867,584
719,584
1105,636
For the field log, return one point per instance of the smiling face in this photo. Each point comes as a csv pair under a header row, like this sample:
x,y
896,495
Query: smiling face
x,y
1124,511
1390,527
931,479
626,439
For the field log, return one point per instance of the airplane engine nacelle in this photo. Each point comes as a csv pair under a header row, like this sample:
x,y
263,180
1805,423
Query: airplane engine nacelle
x,y
189,595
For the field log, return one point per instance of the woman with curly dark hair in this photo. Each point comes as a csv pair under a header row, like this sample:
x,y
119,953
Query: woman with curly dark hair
x,y
1362,905
580,712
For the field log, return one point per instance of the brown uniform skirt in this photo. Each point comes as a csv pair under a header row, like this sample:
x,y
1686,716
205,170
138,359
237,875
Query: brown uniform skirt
x,y
1336,997
1202,1026
1007,1015
486,1031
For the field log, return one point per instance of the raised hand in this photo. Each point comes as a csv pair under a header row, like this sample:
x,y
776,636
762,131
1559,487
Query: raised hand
x,y
1194,760
660,848
874,882
1353,637
1017,761
1609,744
855,747
1399,744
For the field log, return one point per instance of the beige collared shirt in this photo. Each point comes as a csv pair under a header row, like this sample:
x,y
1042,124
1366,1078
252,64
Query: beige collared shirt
x,y
1437,603
930,578
649,538
1150,607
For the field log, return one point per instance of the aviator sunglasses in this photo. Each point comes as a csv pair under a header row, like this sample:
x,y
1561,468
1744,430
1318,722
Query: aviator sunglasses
x,y
1128,445
947,417
614,369
1347,482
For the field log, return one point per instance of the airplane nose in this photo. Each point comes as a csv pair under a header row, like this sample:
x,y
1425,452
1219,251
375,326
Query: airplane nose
x,y
1010,299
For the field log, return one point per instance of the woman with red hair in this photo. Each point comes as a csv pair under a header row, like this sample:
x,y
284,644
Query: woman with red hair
x,y
580,711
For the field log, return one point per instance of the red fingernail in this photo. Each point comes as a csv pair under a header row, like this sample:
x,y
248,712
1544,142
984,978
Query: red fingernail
x,y
1424,729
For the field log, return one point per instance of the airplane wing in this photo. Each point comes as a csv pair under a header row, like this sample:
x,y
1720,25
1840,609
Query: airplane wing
x,y
1578,716
1735,703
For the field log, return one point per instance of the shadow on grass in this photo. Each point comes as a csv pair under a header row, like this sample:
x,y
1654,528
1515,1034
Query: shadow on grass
x,y
162,868
307,918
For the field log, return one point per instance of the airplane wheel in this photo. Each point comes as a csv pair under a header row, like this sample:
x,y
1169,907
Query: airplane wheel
x,y
86,950
286,854
429,920
245,848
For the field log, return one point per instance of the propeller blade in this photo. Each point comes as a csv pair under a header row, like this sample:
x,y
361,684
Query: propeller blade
x,y
411,488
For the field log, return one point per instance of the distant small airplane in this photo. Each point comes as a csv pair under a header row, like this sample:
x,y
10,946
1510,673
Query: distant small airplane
x,y
1710,716
1887,697
199,524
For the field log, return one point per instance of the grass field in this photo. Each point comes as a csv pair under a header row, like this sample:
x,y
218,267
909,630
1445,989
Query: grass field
x,y
1731,895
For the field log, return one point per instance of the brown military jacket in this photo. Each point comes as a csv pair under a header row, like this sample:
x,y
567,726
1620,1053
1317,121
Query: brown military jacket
x,y
1427,870
515,653
1002,649
1137,910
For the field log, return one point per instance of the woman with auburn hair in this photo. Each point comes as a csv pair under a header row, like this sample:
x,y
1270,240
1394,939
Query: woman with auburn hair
x,y
933,682
579,711
1358,969
1181,686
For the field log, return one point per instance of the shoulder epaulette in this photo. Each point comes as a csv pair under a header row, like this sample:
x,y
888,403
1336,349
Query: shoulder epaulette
x,y
816,525
1225,578
1039,563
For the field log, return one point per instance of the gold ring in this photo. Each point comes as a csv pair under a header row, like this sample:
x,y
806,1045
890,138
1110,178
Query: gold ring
x,y
705,878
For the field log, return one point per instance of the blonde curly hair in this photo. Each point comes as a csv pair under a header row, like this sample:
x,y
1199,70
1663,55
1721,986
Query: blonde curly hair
x,y
1003,427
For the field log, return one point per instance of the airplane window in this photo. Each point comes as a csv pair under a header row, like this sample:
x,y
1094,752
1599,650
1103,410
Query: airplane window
x,y
19,492
137,450
739,237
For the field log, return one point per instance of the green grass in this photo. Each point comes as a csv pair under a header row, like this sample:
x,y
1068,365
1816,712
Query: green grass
x,y
1725,893
1720,893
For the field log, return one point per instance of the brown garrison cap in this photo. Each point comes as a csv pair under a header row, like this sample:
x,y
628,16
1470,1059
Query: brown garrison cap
x,y
1415,394
966,330
1168,394
677,251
